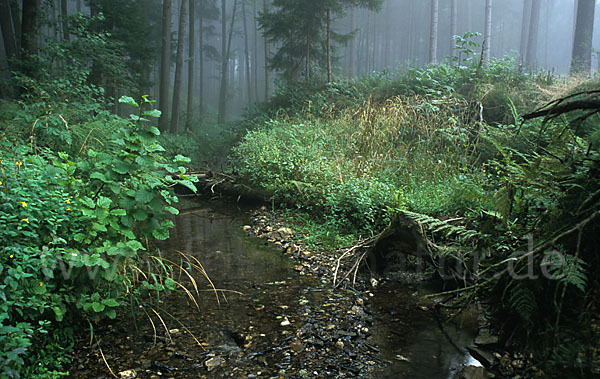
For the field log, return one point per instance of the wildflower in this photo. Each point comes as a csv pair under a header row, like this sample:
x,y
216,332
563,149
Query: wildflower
x,y
25,220
0,182
41,284
68,209
68,201
11,256
24,204
18,163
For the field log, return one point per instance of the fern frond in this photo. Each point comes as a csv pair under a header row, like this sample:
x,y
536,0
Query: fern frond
x,y
435,225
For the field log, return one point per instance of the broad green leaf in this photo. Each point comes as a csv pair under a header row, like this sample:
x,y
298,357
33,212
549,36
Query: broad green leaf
x,y
152,113
128,100
144,196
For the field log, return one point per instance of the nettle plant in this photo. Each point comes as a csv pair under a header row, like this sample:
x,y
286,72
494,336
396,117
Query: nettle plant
x,y
73,230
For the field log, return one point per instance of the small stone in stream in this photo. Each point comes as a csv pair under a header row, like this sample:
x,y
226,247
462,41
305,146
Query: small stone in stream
x,y
298,268
127,374
339,344
285,322
285,233
296,346
213,363
247,228
374,282
360,302
485,338
472,372
402,358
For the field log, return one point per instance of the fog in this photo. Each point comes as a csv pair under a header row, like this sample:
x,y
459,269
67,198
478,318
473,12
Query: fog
x,y
393,38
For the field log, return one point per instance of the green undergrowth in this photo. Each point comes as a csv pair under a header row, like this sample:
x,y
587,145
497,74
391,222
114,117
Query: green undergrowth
x,y
513,202
78,203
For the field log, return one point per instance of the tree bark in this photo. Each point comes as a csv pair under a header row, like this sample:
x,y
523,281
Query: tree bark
x,y
329,74
525,29
64,12
582,45
532,40
191,65
183,16
226,48
29,26
247,52
255,53
487,38
352,42
165,67
307,69
453,27
433,31
9,32
201,63
267,79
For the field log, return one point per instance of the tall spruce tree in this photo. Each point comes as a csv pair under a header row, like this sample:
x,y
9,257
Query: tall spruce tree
x,y
302,32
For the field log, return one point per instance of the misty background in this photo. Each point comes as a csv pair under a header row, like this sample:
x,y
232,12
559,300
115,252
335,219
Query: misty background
x,y
395,38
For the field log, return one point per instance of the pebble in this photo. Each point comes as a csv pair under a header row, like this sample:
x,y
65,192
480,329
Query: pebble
x,y
127,374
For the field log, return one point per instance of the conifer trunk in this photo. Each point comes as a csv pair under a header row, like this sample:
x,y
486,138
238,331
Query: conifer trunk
x,y
191,65
267,79
532,40
581,61
183,16
165,67
525,29
453,26
226,47
433,31
487,38
247,52
329,74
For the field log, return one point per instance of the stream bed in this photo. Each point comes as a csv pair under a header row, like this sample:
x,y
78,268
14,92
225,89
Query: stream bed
x,y
267,318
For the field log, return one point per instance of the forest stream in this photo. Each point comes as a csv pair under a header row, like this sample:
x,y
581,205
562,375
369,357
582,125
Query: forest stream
x,y
270,319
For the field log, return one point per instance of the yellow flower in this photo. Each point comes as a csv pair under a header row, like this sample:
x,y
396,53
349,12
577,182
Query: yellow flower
x,y
68,209
41,284
68,201
24,204
25,220
0,182
11,256
18,163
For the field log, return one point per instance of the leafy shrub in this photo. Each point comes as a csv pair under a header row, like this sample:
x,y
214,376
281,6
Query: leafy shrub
x,y
70,230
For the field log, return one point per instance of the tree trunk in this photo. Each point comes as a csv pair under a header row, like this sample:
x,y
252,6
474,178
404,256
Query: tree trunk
x,y
532,40
247,52
307,69
255,53
226,48
29,26
191,65
329,74
487,38
352,42
525,29
267,79
9,32
582,45
165,67
453,27
64,12
433,31
183,16
201,71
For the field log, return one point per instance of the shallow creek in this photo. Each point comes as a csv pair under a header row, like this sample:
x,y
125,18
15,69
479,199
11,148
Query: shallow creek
x,y
268,320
